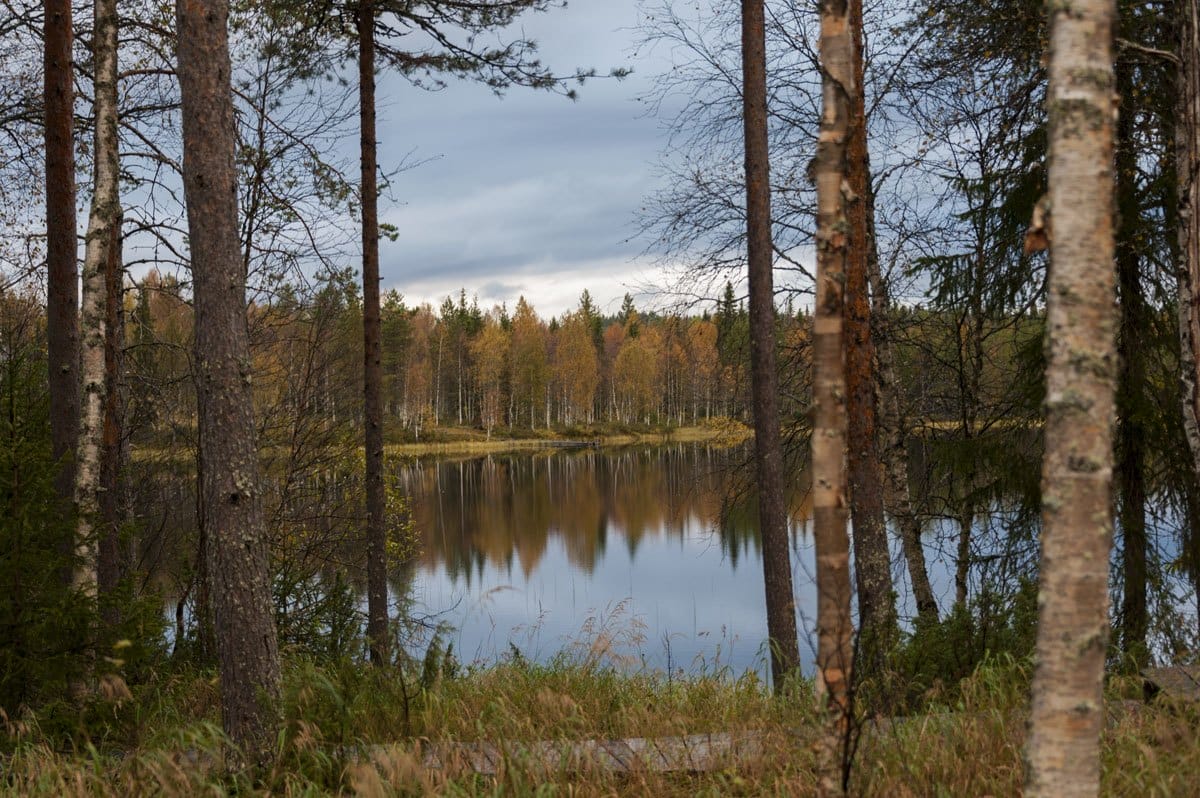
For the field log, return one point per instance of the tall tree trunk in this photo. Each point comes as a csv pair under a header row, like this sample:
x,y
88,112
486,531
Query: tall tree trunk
x,y
1062,751
768,449
894,451
206,634
1187,168
1131,468
103,230
872,562
835,630
110,561
237,566
377,609
62,271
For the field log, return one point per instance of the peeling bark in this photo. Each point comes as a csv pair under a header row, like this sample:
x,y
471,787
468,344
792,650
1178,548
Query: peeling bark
x,y
872,562
236,551
768,448
1062,751
103,230
1187,167
834,622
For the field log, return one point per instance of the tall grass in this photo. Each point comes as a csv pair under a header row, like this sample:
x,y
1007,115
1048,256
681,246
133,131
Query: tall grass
x,y
353,730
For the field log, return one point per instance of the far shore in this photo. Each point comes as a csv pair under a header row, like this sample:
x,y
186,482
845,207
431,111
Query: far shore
x,y
461,440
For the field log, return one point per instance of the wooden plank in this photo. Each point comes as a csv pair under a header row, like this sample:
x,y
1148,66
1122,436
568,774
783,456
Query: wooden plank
x,y
1178,683
692,753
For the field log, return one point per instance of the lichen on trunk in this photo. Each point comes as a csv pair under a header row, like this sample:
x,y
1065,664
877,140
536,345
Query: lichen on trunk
x,y
1062,751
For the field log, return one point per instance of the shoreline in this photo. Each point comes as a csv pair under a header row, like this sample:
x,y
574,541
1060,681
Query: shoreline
x,y
728,433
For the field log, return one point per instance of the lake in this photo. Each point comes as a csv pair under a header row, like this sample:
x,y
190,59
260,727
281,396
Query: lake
x,y
639,557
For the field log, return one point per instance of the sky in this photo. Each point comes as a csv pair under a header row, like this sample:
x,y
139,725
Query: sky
x,y
530,194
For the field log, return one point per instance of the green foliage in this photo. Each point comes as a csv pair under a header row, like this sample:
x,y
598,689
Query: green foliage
x,y
54,646
930,666
43,623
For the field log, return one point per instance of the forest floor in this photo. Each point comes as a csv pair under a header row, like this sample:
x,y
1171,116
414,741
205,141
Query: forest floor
x,y
351,730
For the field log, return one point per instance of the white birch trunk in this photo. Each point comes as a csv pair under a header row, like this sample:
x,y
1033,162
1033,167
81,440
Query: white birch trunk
x,y
1062,751
103,221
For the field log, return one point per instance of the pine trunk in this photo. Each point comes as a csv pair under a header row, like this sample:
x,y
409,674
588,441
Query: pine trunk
x,y
835,630
377,609
768,449
62,278
1067,713
872,562
236,551
1131,434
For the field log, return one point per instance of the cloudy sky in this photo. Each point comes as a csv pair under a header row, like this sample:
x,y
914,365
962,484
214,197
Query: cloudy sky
x,y
531,193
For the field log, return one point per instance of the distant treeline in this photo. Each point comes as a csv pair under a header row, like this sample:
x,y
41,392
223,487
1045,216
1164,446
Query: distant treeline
x,y
459,364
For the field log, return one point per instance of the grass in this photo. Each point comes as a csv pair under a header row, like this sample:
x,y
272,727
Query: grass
x,y
466,440
454,440
350,731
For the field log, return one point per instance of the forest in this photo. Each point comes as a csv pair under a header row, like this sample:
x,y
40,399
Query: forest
x,y
890,486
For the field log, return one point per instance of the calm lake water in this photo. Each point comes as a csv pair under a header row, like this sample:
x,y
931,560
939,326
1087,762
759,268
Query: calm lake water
x,y
636,556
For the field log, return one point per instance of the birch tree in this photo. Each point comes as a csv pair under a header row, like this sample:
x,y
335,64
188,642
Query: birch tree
x,y
834,622
102,234
1187,165
1067,714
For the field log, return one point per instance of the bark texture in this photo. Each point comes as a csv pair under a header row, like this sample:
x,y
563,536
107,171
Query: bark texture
x,y
872,563
1131,432
834,622
1187,165
62,278
103,230
768,449
377,609
247,652
893,450
110,564
1062,750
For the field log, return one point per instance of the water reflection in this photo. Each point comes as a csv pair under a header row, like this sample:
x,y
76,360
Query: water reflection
x,y
538,549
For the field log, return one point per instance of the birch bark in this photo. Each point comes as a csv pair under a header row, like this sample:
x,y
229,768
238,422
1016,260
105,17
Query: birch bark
x,y
1062,751
103,231
834,622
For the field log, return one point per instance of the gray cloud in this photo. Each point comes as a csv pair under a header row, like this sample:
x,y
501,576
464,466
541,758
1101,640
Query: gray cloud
x,y
524,189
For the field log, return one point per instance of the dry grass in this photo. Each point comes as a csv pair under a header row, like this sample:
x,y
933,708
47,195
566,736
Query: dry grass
x,y
464,441
346,734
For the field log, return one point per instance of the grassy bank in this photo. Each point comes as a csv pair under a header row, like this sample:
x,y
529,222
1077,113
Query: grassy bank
x,y
468,440
163,739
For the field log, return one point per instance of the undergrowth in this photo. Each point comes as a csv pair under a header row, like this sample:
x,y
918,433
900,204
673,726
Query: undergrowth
x,y
352,730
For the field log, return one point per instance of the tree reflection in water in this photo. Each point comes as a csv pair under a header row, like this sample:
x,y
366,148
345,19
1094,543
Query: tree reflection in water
x,y
647,545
